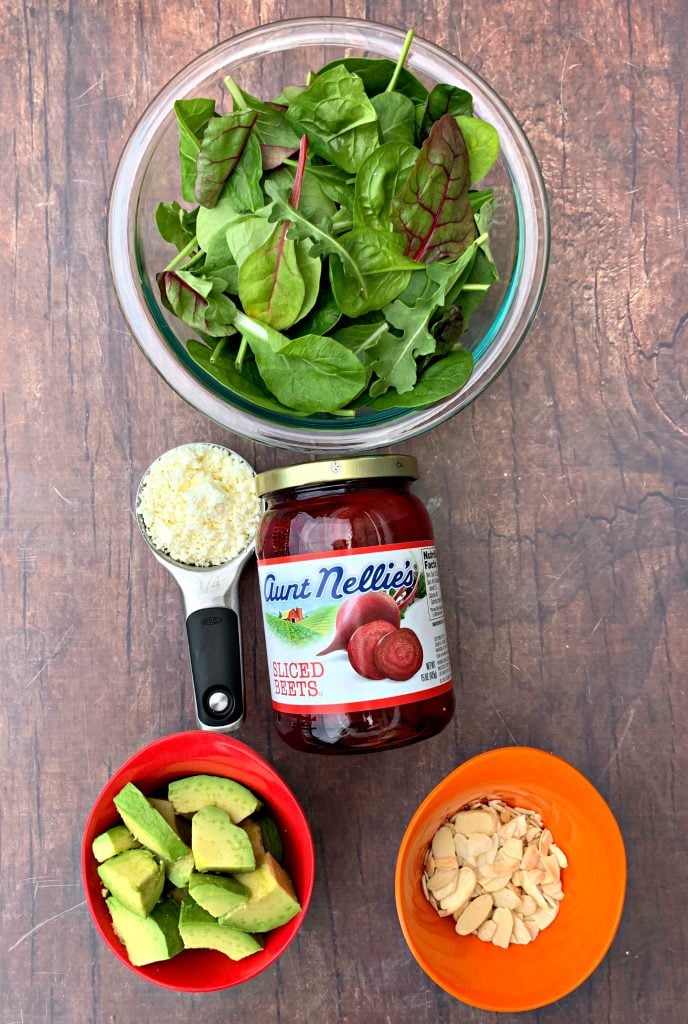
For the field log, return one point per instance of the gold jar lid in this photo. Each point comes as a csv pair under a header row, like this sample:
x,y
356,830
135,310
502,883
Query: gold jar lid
x,y
358,468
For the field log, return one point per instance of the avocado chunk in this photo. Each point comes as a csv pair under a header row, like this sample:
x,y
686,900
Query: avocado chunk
x,y
217,894
217,844
199,930
191,794
179,871
135,879
147,939
272,901
115,840
255,837
148,825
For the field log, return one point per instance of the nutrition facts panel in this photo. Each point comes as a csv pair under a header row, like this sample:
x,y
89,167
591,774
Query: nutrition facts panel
x,y
432,586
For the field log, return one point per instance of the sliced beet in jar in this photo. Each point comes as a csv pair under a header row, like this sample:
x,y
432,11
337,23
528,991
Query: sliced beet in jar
x,y
356,644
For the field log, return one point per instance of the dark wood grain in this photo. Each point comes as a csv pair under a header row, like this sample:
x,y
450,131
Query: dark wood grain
x,y
560,502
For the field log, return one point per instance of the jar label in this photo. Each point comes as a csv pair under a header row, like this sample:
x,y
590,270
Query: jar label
x,y
355,629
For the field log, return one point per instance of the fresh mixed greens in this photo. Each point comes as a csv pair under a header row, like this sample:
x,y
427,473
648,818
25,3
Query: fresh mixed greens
x,y
336,249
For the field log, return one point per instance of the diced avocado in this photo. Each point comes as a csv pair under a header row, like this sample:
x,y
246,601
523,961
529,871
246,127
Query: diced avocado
x,y
179,871
148,825
115,840
217,844
272,901
135,878
217,894
166,811
191,794
255,837
199,930
147,939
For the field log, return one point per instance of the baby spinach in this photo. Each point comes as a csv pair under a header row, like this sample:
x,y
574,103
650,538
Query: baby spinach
x,y
482,143
432,209
378,181
338,118
332,252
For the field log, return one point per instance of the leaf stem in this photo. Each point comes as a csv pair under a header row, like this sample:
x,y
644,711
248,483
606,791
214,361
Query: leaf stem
x,y
218,349
186,251
476,288
391,85
300,169
239,361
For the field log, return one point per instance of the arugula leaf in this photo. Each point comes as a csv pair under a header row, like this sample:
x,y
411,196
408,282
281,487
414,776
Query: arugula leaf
x,y
222,147
176,225
378,181
338,118
277,139
396,362
482,143
271,287
395,117
315,227
192,118
376,75
384,267
189,297
432,209
363,340
309,374
445,99
222,369
442,378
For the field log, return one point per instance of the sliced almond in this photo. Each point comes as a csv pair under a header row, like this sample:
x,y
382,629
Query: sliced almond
x,y
544,918
468,822
463,891
447,863
531,888
491,855
443,843
494,884
441,879
517,878
505,816
507,830
477,911
520,935
528,905
521,826
430,863
559,854
486,931
424,886
553,889
530,859
446,890
533,929
459,910
533,832
545,842
478,843
461,847
512,848
506,897
504,920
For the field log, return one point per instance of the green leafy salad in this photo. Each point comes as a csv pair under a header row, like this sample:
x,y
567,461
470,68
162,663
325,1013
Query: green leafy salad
x,y
336,248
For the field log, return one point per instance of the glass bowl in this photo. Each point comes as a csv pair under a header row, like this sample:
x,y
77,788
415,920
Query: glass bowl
x,y
263,61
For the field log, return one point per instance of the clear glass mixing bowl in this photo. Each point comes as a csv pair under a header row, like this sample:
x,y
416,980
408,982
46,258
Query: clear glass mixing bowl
x,y
264,60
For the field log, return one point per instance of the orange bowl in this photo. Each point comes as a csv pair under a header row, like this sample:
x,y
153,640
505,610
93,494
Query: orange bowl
x,y
566,953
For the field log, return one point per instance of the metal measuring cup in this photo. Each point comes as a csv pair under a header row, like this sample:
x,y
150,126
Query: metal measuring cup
x,y
213,628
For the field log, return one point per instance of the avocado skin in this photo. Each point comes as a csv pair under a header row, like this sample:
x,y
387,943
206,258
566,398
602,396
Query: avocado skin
x,y
199,930
147,940
148,825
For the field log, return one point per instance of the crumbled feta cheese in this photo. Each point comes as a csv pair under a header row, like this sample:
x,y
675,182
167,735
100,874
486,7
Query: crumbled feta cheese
x,y
199,504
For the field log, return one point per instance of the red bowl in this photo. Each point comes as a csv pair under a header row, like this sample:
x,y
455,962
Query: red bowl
x,y
201,753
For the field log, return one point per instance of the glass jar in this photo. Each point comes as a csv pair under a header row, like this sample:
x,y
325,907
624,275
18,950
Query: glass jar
x,y
354,627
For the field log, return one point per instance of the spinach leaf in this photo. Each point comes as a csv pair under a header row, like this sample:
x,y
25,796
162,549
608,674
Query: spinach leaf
x,y
442,378
396,362
246,233
271,287
213,221
378,181
310,268
176,225
482,143
376,75
477,284
242,384
243,187
192,119
334,182
384,267
309,374
445,99
338,118
432,209
395,117
222,147
189,297
478,198
312,201
324,316
277,138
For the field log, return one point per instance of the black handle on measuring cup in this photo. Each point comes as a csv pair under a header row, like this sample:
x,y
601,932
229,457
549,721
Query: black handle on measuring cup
x,y
215,651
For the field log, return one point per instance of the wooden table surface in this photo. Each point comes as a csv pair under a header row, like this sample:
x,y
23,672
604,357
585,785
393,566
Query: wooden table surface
x,y
560,502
